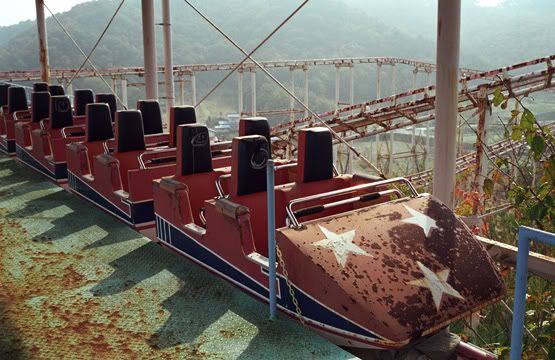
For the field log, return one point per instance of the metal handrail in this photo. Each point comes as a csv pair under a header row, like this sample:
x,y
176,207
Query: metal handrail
x,y
225,176
293,218
160,151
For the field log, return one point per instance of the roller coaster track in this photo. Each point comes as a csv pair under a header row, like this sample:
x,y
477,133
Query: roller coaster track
x,y
418,105
467,160
25,75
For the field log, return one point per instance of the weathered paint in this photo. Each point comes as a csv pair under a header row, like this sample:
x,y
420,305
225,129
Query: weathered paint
x,y
76,282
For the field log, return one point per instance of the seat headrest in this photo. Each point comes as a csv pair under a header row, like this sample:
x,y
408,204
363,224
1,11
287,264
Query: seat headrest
x,y
17,99
40,86
109,99
129,131
152,117
193,149
4,94
98,124
40,105
315,154
180,115
60,112
81,98
56,90
255,126
248,166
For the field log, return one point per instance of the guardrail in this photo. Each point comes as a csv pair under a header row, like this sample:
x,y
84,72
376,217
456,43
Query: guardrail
x,y
525,235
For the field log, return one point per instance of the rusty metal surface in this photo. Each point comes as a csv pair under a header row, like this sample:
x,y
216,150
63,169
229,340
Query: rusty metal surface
x,y
400,270
75,283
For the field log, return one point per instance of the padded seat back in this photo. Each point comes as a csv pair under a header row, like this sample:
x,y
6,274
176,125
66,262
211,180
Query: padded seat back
x,y
315,155
255,126
4,94
60,112
40,105
129,131
248,165
109,99
180,115
98,122
81,98
193,150
17,99
152,117
40,87
56,90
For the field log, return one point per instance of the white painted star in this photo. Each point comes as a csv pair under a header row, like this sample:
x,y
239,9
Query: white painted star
x,y
436,283
422,220
341,244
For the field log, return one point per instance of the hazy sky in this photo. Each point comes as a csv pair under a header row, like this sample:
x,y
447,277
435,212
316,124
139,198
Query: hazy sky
x,y
21,10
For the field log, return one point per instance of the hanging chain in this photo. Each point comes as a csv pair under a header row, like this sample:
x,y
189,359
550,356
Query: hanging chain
x,y
289,285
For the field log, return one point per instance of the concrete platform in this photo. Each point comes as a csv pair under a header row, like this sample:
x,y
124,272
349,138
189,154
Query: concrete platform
x,y
76,283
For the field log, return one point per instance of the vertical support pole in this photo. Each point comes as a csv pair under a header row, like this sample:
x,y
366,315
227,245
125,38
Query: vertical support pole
x,y
413,134
379,137
393,79
149,50
305,70
271,237
194,88
447,76
519,308
43,43
392,132
168,57
123,89
378,80
181,90
69,88
429,83
253,92
114,85
240,91
336,87
292,88
348,157
481,168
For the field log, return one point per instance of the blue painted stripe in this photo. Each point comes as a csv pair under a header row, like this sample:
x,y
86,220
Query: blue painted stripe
x,y
140,213
25,157
311,309
7,146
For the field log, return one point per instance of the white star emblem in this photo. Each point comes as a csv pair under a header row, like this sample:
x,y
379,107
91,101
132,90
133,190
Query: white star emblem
x,y
422,220
436,283
341,244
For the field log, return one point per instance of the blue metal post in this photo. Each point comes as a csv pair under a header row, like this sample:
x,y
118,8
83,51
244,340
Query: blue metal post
x,y
525,234
271,237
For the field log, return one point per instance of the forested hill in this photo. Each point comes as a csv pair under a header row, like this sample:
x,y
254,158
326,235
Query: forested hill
x,y
324,28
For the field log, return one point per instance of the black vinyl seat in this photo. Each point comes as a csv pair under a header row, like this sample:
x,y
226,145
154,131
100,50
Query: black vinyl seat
x,y
152,116
56,90
109,99
4,94
255,126
40,87
81,98
129,131
40,105
98,122
194,149
60,112
181,115
17,99
315,154
249,157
